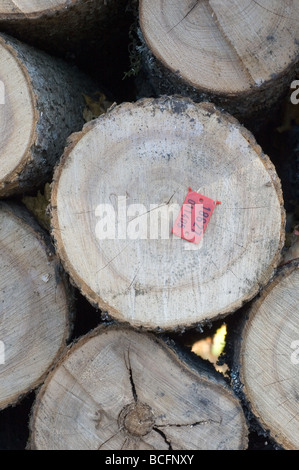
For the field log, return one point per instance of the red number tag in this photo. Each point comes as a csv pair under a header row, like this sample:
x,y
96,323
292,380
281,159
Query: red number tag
x,y
194,217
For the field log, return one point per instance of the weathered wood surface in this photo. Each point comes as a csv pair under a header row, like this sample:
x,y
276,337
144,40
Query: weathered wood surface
x,y
149,153
59,25
118,389
269,357
41,104
239,54
35,305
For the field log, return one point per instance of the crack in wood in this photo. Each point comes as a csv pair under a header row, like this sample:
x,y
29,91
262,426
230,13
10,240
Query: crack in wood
x,y
229,42
129,368
171,197
109,262
197,423
271,11
164,204
158,431
128,288
150,210
126,443
187,14
109,438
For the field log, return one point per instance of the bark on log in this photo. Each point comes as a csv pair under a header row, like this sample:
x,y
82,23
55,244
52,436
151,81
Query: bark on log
x,y
60,25
267,355
241,55
35,305
41,105
149,153
120,389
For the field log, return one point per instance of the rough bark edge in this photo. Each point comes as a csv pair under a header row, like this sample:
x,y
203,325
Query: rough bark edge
x,y
246,106
195,368
63,30
27,174
232,355
46,13
22,215
178,104
41,155
10,182
235,341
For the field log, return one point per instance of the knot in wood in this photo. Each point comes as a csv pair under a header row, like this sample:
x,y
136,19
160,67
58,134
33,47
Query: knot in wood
x,y
137,419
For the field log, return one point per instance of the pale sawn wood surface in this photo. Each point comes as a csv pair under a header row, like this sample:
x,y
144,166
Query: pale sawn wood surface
x,y
270,357
41,104
150,153
34,305
242,51
119,389
31,7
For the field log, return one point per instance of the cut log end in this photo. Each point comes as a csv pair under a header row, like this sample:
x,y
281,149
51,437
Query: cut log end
x,y
113,229
64,27
119,389
270,357
39,108
35,306
240,54
207,35
19,8
17,111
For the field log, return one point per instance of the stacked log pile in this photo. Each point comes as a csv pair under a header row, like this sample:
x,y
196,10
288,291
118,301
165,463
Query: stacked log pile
x,y
154,222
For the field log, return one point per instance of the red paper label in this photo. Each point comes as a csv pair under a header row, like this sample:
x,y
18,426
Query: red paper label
x,y
194,217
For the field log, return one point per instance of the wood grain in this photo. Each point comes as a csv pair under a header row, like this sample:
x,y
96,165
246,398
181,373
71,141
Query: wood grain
x,y
29,7
120,389
42,104
34,305
239,53
150,153
270,357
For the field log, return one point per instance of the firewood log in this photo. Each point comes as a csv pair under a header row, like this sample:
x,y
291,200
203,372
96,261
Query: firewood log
x,y
120,187
121,389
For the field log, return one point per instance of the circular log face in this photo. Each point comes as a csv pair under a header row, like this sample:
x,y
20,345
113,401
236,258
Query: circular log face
x,y
39,108
135,165
17,7
119,389
17,115
270,357
225,47
33,309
